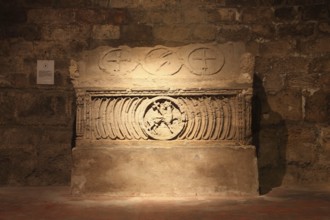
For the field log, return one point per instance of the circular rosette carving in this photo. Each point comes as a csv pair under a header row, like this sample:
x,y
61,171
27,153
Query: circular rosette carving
x,y
161,61
163,119
118,60
205,61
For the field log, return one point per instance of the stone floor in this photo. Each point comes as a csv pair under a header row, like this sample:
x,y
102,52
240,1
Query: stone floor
x,y
56,203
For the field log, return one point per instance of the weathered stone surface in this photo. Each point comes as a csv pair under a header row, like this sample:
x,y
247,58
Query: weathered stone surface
x,y
67,32
29,32
176,33
274,82
168,17
25,165
233,33
236,3
149,170
320,64
13,14
106,32
28,158
290,40
19,48
216,63
91,16
19,80
32,108
102,16
10,65
272,147
7,104
257,15
324,82
292,109
317,106
290,64
194,3
302,175
205,33
124,3
54,172
139,120
38,3
324,27
194,15
261,31
319,46
136,33
276,72
301,81
304,30
315,12
228,14
18,136
49,15
278,47
285,13
129,136
301,147
325,145
49,50
16,166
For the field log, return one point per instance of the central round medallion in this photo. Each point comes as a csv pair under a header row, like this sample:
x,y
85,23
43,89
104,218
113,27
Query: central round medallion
x,y
163,119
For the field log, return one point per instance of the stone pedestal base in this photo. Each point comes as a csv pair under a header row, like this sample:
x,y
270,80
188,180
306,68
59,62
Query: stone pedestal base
x,y
152,168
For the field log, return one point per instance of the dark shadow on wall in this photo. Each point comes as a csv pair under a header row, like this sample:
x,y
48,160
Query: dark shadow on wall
x,y
270,138
74,133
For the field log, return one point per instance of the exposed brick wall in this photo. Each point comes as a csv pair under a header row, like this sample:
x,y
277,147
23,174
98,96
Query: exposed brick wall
x,y
290,39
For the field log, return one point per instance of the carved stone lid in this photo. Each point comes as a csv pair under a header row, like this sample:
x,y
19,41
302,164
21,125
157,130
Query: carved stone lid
x,y
201,66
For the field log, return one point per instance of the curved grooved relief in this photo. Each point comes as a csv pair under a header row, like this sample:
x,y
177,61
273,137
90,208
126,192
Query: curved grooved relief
x,y
210,119
102,118
226,119
125,116
189,118
196,117
205,118
122,116
96,108
233,120
118,119
199,118
221,134
108,118
113,118
139,118
218,121
132,118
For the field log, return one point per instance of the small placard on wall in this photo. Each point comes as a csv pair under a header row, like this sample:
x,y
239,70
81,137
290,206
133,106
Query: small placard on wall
x,y
45,72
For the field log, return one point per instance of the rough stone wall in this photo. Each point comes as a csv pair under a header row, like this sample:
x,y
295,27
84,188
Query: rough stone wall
x,y
290,39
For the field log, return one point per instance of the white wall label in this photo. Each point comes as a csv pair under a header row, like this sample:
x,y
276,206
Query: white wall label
x,y
45,72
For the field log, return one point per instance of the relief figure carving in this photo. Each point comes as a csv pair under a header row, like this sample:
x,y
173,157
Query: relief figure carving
x,y
117,60
205,61
163,119
167,118
159,60
162,61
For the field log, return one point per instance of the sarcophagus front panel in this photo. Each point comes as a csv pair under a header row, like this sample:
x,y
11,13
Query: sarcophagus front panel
x,y
164,121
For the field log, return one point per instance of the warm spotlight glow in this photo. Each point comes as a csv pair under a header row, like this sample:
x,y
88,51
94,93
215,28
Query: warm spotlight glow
x,y
164,121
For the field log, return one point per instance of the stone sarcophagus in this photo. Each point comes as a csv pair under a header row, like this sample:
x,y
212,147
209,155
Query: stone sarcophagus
x,y
164,121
